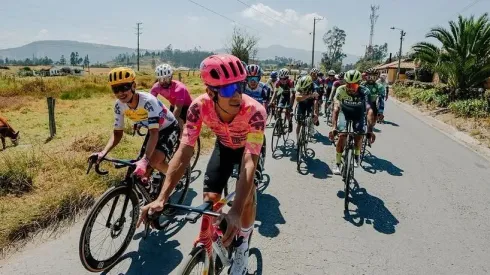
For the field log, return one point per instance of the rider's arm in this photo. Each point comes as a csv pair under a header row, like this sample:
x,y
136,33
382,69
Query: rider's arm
x,y
154,89
253,147
118,129
180,161
367,100
336,111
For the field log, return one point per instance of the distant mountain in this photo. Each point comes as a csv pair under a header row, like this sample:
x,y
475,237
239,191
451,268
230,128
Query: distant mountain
x,y
298,54
104,53
55,48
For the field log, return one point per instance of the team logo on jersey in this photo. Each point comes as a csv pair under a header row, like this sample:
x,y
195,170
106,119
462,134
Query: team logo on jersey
x,y
148,107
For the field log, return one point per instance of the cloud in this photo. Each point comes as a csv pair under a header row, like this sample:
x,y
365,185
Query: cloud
x,y
193,18
300,23
42,34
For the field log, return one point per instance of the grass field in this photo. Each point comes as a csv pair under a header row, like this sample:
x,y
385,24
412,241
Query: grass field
x,y
43,182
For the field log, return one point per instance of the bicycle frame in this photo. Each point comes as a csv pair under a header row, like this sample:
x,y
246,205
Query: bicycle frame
x,y
210,234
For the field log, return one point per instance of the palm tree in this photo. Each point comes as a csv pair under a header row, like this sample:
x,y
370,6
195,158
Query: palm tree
x,y
464,57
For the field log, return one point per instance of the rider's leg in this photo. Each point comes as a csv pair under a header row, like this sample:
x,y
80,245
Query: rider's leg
x,y
372,116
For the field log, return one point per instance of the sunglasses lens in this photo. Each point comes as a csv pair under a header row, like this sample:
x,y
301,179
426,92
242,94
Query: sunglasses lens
x,y
230,90
121,88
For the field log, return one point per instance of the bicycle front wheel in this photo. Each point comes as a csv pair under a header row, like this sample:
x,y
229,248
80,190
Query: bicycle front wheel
x,y
194,263
349,175
197,152
116,221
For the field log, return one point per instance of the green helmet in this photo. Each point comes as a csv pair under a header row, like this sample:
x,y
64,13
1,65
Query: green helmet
x,y
304,83
352,76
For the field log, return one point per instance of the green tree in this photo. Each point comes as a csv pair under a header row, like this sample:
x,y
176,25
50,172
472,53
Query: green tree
x,y
73,59
334,39
464,57
243,45
62,60
86,61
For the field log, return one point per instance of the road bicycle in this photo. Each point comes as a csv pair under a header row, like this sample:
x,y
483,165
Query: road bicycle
x,y
197,148
305,133
348,156
209,256
281,128
129,190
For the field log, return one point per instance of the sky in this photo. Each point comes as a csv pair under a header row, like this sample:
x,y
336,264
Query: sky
x,y
186,25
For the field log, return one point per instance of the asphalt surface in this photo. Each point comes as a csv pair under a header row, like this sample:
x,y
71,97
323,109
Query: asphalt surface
x,y
422,207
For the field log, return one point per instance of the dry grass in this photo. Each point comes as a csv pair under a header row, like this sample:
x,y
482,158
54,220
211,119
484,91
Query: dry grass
x,y
44,183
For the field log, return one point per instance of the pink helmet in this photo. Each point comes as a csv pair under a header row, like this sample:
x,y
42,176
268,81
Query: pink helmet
x,y
222,69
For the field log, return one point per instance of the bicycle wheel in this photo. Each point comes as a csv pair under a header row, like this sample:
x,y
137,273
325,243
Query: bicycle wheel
x,y
349,174
194,262
180,191
276,132
300,147
363,149
96,263
285,129
197,152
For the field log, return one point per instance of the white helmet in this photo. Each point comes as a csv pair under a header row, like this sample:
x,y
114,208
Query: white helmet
x,y
331,72
283,73
164,70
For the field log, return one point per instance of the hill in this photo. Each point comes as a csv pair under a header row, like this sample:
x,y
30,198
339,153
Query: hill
x,y
55,48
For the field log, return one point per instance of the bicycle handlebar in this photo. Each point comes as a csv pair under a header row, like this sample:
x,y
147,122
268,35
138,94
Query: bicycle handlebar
x,y
119,163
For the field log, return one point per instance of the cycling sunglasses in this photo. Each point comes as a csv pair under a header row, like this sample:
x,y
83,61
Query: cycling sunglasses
x,y
352,86
230,89
371,77
253,78
122,88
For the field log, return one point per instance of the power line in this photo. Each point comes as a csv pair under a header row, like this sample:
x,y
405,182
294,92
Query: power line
x,y
225,17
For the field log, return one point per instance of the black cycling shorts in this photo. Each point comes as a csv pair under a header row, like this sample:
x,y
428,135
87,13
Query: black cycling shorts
x,y
167,139
220,166
183,113
304,108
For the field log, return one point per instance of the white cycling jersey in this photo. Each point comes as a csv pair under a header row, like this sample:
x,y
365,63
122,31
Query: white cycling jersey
x,y
150,111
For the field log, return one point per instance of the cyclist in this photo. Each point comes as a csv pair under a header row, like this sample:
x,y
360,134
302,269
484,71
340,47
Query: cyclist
x,y
260,92
376,95
384,83
306,98
174,91
318,85
163,128
271,83
283,95
339,82
238,122
350,102
329,82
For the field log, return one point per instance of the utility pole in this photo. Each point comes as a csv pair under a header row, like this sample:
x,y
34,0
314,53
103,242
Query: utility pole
x,y
373,18
138,33
402,34
313,48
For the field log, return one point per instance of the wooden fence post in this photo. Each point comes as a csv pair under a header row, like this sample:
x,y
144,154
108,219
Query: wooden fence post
x,y
180,77
188,72
52,123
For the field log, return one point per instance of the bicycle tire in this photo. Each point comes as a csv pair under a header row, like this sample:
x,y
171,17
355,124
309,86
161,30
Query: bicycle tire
x,y
197,153
86,257
300,147
349,175
285,129
363,149
184,188
197,255
276,132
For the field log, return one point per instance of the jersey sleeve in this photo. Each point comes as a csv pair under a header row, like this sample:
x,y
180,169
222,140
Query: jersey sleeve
x,y
118,117
154,112
154,90
255,137
181,92
192,127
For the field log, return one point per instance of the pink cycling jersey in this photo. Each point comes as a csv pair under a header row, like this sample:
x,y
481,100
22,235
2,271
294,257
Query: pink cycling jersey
x,y
246,129
337,83
176,93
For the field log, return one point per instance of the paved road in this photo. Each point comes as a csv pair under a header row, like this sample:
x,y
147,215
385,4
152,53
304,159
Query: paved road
x,y
423,208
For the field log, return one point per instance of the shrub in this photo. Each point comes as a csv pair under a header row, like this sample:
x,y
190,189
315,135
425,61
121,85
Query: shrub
x,y
470,108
